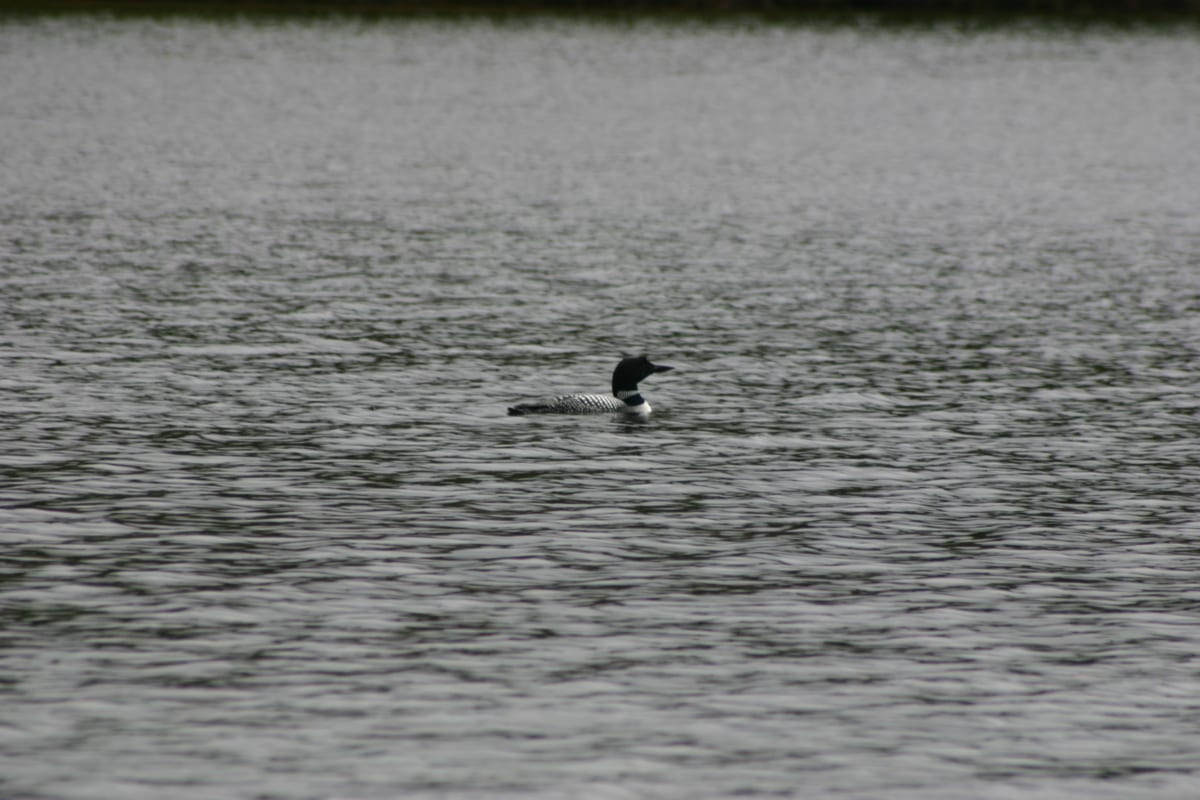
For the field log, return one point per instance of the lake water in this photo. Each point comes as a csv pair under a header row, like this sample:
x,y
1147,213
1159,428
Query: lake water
x,y
917,514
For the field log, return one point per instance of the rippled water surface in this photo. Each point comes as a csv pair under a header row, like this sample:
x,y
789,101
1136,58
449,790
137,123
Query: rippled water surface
x,y
916,515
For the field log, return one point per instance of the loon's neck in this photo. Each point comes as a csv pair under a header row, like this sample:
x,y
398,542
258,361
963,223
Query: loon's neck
x,y
631,397
633,400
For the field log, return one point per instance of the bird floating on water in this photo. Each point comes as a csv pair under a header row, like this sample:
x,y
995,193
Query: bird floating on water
x,y
625,396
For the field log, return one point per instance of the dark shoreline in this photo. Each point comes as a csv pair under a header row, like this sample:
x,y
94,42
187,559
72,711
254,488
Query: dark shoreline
x,y
914,11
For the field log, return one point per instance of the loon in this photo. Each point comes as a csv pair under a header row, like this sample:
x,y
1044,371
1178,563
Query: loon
x,y
624,397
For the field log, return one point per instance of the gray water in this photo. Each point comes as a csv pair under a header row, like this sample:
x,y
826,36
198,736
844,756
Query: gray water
x,y
916,515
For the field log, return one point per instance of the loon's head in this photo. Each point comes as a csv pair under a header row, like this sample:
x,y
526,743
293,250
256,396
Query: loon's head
x,y
632,370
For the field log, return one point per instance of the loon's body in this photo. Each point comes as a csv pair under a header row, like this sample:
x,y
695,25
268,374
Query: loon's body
x,y
625,396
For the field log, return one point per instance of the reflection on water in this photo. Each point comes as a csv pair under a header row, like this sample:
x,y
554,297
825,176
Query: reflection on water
x,y
914,516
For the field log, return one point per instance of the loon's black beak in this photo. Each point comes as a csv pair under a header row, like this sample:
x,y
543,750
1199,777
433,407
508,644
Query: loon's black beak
x,y
662,368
